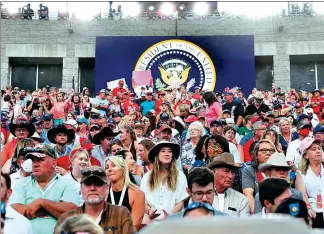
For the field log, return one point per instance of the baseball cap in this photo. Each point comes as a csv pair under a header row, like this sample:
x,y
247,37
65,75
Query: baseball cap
x,y
299,104
191,119
256,118
318,128
111,122
269,113
47,117
303,124
303,116
71,122
102,91
36,120
217,122
165,127
306,143
82,119
93,171
226,111
40,151
229,121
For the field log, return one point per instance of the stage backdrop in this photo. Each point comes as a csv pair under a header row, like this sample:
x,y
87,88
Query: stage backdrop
x,y
209,62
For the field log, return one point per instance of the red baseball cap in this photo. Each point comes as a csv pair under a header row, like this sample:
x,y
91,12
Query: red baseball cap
x,y
256,118
191,119
165,127
86,144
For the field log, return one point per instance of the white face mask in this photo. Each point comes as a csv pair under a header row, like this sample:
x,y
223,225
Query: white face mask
x,y
27,165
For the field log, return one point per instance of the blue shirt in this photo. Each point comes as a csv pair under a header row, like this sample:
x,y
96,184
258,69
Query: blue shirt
x,y
147,106
59,189
100,102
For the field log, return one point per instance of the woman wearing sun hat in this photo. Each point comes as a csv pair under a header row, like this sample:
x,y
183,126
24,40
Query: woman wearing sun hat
x,y
164,186
310,179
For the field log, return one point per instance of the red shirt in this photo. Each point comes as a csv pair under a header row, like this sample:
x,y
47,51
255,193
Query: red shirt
x,y
316,108
8,150
117,91
246,147
128,106
158,103
196,96
65,162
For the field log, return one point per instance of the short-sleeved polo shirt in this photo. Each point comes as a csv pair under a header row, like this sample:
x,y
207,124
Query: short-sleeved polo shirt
x,y
59,189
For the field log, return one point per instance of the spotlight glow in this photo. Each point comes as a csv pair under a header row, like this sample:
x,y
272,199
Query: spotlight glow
x,y
201,8
131,9
151,8
167,9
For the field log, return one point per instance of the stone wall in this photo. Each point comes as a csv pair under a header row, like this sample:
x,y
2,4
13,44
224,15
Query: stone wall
x,y
20,38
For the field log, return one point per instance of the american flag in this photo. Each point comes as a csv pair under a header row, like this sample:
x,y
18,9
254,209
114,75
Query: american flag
x,y
73,86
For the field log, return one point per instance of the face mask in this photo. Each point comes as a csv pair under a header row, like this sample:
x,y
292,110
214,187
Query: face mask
x,y
304,132
27,165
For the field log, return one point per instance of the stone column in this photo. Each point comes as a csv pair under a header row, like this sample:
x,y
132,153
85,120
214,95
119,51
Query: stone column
x,y
70,69
4,67
281,67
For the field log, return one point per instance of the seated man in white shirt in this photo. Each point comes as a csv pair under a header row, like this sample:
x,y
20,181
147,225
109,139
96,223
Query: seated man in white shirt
x,y
14,222
226,199
272,192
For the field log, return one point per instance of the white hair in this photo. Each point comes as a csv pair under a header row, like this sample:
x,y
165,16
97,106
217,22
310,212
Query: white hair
x,y
198,125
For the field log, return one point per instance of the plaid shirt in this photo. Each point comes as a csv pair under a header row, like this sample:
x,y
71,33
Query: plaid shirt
x,y
114,219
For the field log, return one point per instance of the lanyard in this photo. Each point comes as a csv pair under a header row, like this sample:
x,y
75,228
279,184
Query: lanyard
x,y
121,197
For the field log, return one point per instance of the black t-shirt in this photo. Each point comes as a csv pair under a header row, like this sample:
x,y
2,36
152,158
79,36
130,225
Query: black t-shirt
x,y
34,107
236,109
251,109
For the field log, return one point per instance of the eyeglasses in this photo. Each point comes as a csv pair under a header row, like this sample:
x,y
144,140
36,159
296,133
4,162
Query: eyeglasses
x,y
197,205
264,151
194,129
95,182
200,194
116,150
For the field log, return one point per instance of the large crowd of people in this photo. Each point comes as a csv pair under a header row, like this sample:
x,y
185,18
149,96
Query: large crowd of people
x,y
115,161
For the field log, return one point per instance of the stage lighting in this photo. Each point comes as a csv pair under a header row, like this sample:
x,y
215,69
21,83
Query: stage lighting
x,y
27,12
43,12
131,9
182,7
201,8
167,9
151,8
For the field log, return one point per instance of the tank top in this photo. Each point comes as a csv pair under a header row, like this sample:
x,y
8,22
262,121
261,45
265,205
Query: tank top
x,y
125,202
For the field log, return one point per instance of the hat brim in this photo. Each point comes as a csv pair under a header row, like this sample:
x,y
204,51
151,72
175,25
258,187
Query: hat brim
x,y
264,166
103,134
156,149
218,164
30,128
91,176
54,131
34,154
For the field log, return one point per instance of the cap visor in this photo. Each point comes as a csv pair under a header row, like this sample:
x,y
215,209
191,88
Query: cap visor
x,y
38,155
91,176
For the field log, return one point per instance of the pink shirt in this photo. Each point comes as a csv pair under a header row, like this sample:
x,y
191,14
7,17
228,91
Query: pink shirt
x,y
211,113
58,110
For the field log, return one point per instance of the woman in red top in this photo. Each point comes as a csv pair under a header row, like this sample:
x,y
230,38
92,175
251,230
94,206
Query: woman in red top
x,y
315,102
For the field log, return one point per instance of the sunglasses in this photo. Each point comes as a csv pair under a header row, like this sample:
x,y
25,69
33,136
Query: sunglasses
x,y
96,116
95,182
197,205
88,171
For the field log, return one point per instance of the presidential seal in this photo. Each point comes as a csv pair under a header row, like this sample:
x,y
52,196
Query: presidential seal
x,y
178,62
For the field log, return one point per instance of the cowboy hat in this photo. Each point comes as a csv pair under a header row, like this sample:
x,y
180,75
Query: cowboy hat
x,y
175,147
60,129
180,121
224,160
258,95
22,122
317,90
276,160
105,132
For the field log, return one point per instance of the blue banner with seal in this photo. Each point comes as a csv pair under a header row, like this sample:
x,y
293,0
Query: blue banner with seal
x,y
209,62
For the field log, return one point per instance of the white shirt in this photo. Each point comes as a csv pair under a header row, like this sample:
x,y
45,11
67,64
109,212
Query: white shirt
x,y
314,186
163,198
15,177
16,223
234,151
77,184
221,202
293,154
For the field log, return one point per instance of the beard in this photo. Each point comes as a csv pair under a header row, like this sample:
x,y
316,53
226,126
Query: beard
x,y
94,200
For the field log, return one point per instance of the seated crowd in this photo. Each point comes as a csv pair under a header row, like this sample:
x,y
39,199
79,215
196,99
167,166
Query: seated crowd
x,y
117,162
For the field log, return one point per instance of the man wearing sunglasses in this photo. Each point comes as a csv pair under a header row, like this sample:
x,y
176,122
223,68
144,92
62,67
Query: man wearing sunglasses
x,y
45,195
94,190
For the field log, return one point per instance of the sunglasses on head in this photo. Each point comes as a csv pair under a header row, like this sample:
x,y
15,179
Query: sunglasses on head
x,y
88,171
197,205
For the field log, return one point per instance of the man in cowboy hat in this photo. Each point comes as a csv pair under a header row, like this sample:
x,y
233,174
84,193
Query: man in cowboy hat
x,y
21,129
62,137
226,199
257,105
46,195
102,140
276,167
94,189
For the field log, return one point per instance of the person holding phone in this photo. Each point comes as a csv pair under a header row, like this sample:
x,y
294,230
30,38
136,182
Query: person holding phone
x,y
164,186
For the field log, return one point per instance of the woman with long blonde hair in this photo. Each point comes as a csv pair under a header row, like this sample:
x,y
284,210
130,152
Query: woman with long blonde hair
x,y
284,133
164,186
310,179
122,191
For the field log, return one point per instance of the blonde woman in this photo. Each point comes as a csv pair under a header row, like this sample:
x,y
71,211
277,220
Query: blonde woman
x,y
310,179
164,186
285,133
79,224
128,139
122,191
